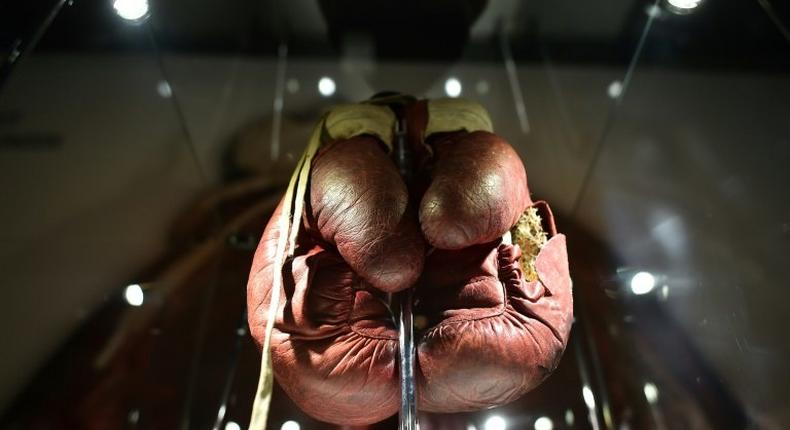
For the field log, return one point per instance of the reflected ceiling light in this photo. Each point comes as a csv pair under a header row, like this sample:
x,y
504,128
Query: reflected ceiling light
x,y
651,392
643,283
134,295
588,397
569,418
292,85
134,416
495,423
452,87
615,89
653,11
544,423
231,425
290,425
131,10
482,87
682,6
164,89
326,86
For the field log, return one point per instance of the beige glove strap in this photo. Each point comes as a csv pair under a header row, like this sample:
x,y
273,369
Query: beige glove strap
x,y
288,223
349,120
445,115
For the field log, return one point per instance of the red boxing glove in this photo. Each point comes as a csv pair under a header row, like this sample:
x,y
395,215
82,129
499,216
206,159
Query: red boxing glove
x,y
492,335
334,345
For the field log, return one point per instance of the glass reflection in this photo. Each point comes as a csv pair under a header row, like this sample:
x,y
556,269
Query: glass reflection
x,y
660,137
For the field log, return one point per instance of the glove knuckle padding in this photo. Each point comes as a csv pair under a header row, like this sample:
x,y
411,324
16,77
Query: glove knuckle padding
x,y
334,345
478,190
359,204
493,336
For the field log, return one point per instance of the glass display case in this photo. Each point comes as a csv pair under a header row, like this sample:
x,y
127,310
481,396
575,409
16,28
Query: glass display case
x,y
146,143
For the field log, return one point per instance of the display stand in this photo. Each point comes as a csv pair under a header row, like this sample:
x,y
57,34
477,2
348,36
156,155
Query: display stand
x,y
408,403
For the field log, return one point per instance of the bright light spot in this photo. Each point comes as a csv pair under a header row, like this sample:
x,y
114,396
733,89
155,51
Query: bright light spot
x,y
134,416
495,423
569,418
642,283
134,295
651,392
231,425
164,89
589,399
452,87
471,427
290,425
544,423
482,87
664,292
615,89
684,4
653,11
131,10
292,85
326,86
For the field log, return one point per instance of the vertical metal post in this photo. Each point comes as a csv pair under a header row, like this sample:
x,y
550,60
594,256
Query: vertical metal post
x,y
408,406
278,102
512,77
21,48
408,402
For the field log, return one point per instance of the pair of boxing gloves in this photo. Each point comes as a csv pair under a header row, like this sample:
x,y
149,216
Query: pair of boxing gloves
x,y
487,333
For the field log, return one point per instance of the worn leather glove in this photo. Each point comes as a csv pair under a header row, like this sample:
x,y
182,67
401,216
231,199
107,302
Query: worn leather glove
x,y
492,333
334,346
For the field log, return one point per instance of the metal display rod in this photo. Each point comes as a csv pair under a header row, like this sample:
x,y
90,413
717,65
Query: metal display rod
x,y
408,405
408,402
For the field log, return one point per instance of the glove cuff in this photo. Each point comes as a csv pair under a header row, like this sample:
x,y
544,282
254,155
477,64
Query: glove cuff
x,y
349,120
448,115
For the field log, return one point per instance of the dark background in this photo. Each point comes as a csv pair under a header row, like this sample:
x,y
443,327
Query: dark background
x,y
151,153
